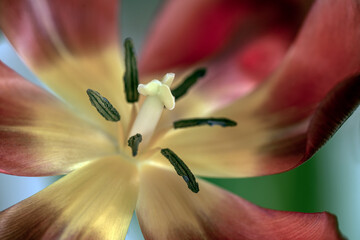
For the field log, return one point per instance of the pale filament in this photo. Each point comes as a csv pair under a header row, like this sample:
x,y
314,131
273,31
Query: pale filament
x,y
158,95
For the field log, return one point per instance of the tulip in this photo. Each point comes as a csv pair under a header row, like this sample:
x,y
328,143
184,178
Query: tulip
x,y
126,146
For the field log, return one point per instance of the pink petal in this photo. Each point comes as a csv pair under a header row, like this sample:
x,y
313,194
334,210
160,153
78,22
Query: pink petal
x,y
167,209
39,134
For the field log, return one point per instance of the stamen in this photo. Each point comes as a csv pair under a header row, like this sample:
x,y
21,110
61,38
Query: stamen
x,y
224,122
181,169
131,80
103,106
134,142
189,81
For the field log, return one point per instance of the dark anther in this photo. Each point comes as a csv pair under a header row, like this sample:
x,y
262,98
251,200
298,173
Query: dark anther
x,y
181,169
189,81
131,80
224,122
134,142
103,106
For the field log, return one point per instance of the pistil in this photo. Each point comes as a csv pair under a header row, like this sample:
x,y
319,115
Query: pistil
x,y
158,95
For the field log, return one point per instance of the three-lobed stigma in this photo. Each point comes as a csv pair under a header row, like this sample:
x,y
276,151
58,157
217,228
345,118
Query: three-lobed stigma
x,y
160,90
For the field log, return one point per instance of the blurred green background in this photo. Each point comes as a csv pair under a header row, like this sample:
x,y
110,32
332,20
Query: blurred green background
x,y
328,182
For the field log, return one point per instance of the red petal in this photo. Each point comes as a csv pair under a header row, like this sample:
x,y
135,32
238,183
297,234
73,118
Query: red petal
x,y
331,114
256,40
40,29
188,31
319,59
283,122
167,209
242,70
316,76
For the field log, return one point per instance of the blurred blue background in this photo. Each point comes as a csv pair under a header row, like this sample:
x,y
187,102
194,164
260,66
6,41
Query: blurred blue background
x,y
328,182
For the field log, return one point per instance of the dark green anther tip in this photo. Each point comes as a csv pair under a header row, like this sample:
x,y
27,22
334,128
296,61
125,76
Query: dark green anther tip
x,y
103,106
134,142
181,169
200,72
131,80
224,122
189,81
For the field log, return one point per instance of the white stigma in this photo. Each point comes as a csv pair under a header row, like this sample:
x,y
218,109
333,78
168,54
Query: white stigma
x,y
160,89
158,95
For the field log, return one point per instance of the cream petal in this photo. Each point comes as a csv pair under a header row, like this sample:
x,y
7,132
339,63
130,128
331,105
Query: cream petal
x,y
40,135
94,202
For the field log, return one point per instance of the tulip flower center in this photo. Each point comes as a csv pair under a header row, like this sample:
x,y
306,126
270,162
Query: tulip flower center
x,y
158,95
